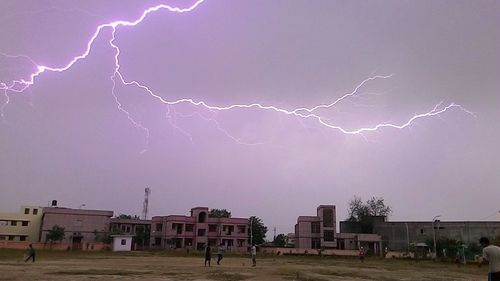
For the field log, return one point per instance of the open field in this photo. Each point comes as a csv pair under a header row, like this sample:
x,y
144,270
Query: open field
x,y
56,265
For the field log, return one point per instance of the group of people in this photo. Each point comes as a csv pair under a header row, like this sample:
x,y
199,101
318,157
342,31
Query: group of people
x,y
491,256
220,255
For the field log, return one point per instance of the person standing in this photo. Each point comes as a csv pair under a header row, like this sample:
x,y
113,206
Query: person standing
x,y
362,254
208,255
254,255
220,254
491,255
31,253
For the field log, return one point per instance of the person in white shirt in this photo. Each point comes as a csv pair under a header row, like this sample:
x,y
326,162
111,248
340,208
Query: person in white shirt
x,y
491,255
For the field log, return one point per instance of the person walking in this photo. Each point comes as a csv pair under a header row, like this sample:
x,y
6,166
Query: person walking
x,y
254,255
220,254
491,255
31,253
362,254
208,255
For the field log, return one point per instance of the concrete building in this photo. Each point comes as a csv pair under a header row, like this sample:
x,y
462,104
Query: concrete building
x,y
122,243
82,227
21,226
316,232
319,232
198,230
139,229
398,235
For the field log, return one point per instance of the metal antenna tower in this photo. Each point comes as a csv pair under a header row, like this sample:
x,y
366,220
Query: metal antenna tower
x,y
145,205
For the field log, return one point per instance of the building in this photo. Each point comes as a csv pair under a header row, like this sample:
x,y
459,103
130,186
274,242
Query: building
x,y
21,226
316,232
399,235
319,232
82,227
139,229
198,230
122,243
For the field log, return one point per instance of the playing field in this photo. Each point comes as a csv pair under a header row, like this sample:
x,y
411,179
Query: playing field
x,y
52,265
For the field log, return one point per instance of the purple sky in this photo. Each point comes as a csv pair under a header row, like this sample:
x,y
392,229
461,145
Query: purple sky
x,y
65,138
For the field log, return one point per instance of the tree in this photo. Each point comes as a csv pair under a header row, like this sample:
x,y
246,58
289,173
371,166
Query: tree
x,y
55,234
364,213
142,235
257,231
280,240
130,217
219,213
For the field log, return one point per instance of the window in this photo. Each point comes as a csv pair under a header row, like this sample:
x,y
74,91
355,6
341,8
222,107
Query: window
x,y
201,232
228,242
158,241
22,238
24,223
315,227
35,211
2,238
189,227
124,241
328,235
13,223
228,229
315,243
12,237
241,242
212,228
421,231
26,211
212,242
242,229
188,242
128,229
327,217
202,217
4,223
159,226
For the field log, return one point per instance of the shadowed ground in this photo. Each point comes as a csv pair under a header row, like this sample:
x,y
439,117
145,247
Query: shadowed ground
x,y
53,265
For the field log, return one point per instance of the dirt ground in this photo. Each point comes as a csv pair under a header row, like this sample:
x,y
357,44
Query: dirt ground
x,y
168,266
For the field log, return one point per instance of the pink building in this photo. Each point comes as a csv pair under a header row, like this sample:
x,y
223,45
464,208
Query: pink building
x,y
317,232
198,230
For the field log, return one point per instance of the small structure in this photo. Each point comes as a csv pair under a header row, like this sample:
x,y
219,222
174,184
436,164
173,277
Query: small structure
x,y
122,243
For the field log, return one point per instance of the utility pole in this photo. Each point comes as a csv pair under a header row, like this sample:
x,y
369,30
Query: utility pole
x,y
274,234
434,235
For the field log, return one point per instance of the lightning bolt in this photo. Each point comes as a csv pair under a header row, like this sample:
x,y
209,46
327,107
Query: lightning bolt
x,y
302,113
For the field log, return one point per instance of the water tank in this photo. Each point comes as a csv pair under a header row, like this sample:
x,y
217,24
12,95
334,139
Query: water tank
x,y
54,203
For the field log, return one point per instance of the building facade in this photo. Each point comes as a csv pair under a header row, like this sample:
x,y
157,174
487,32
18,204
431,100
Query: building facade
x,y
139,230
21,226
198,230
317,232
81,227
399,235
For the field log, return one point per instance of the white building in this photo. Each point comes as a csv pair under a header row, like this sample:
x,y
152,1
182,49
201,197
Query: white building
x,y
122,243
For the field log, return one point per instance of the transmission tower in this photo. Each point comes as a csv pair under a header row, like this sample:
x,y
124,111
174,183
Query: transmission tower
x,y
145,205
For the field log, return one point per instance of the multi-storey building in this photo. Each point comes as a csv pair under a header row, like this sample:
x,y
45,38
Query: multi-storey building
x,y
198,230
21,226
317,232
81,226
138,229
